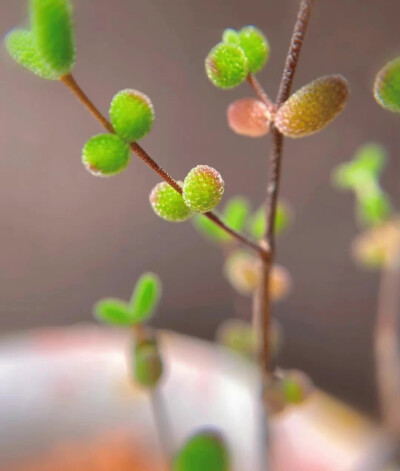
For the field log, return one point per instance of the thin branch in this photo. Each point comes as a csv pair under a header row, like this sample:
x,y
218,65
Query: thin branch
x,y
296,44
73,86
275,163
261,93
387,345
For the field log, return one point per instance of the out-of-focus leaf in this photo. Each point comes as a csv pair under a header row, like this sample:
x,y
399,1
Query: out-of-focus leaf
x,y
112,311
282,221
145,297
236,212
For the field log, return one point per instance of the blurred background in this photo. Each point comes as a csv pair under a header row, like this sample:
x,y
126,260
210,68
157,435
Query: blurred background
x,y
68,239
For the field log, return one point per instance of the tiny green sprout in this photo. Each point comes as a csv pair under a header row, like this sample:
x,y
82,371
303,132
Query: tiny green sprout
x,y
168,203
105,155
20,46
366,166
226,65
282,220
387,86
148,365
255,46
204,451
144,300
145,297
53,32
113,311
235,214
313,107
203,188
131,114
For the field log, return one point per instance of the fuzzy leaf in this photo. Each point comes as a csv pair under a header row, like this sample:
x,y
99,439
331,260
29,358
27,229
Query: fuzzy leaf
x,y
20,46
105,155
313,107
226,65
113,311
131,114
203,188
145,297
387,86
53,32
168,204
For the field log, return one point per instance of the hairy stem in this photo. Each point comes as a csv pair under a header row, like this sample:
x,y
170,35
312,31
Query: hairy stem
x,y
274,176
73,86
387,344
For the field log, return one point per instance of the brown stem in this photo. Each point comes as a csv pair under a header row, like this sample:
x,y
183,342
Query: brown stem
x,y
275,162
387,344
261,93
73,86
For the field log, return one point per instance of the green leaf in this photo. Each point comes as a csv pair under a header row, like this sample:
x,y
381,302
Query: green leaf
x,y
282,221
371,157
255,46
208,229
145,297
373,208
113,311
363,170
226,65
20,46
105,155
131,114
205,451
53,32
236,212
387,86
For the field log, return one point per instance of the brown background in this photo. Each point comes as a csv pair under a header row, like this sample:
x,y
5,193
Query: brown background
x,y
68,239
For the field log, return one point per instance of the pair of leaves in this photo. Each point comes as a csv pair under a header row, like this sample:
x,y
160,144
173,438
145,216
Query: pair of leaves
x,y
144,300
362,176
237,216
48,50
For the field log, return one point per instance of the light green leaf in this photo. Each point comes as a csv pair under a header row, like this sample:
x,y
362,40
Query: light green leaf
x,y
53,33
113,311
20,46
236,212
209,229
145,297
282,221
